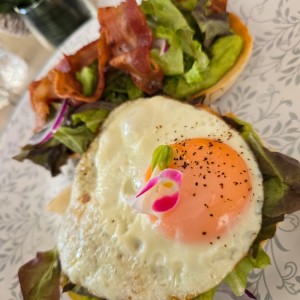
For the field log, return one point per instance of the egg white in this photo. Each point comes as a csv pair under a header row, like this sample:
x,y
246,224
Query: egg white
x,y
115,252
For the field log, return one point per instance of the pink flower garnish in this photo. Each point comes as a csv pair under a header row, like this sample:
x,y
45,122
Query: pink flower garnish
x,y
160,194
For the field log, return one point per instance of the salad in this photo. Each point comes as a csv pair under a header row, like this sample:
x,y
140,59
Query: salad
x,y
175,48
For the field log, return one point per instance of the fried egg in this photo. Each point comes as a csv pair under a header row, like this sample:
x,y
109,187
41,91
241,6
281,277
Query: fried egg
x,y
116,251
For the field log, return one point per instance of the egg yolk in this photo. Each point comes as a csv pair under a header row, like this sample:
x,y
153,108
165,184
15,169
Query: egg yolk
x,y
215,189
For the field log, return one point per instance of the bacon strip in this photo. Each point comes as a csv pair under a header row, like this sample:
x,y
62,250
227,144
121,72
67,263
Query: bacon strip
x,y
125,43
61,82
130,38
65,83
41,94
219,6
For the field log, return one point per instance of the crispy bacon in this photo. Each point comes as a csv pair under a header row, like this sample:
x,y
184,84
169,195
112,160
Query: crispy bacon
x,y
41,94
61,82
125,43
64,80
146,76
219,6
130,38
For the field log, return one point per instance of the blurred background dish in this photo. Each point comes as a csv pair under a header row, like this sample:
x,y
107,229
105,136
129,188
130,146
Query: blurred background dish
x,y
29,50
52,21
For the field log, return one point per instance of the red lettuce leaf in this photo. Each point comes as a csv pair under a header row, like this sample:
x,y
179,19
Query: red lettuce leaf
x,y
51,155
40,277
281,180
212,19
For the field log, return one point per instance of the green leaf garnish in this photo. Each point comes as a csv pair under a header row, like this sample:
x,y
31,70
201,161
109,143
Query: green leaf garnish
x,y
161,156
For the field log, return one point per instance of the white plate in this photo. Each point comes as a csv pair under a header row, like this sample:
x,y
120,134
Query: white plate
x,y
267,94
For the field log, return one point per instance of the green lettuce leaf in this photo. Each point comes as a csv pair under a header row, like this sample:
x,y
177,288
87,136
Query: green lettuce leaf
x,y
85,124
40,277
172,61
167,21
185,4
212,19
193,48
92,118
194,75
119,88
88,77
225,52
51,155
237,279
195,70
164,13
76,139
67,139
